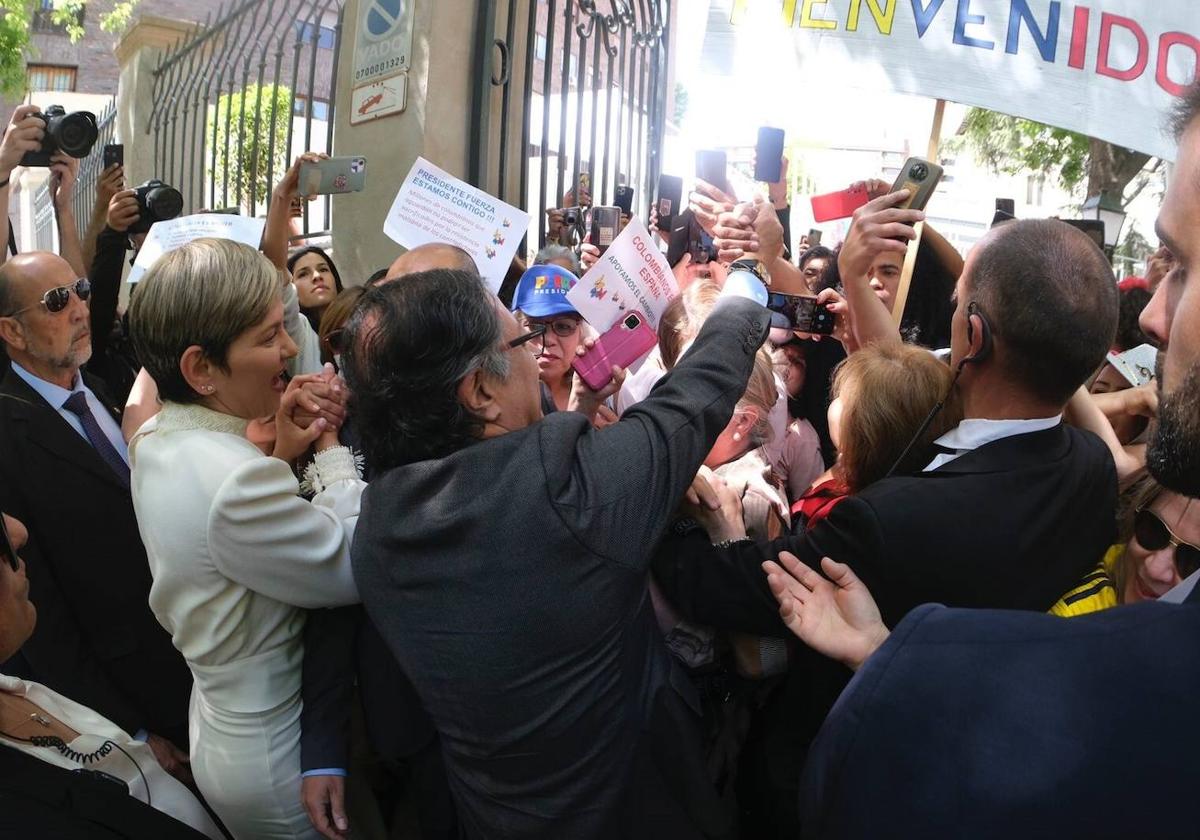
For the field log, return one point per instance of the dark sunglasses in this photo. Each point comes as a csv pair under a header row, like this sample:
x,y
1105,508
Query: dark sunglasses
x,y
56,299
10,553
533,338
1153,534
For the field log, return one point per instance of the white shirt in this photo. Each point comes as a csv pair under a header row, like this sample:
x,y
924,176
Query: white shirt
x,y
56,396
971,434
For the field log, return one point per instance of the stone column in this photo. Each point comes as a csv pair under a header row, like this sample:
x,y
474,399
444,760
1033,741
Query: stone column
x,y
434,125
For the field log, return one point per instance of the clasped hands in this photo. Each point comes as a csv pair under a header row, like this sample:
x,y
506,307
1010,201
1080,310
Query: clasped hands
x,y
310,413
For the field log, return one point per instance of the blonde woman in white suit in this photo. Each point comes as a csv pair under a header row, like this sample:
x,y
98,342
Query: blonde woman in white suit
x,y
236,553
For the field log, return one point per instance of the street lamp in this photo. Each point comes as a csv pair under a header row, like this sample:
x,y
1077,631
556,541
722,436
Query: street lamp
x,y
1105,208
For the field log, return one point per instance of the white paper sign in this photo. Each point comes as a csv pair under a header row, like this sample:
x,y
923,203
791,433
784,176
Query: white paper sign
x,y
169,235
632,274
1110,70
434,206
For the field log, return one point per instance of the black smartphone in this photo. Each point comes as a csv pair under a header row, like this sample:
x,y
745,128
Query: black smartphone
x,y
1006,211
800,312
624,199
670,193
1094,228
710,167
814,237
768,155
114,153
606,224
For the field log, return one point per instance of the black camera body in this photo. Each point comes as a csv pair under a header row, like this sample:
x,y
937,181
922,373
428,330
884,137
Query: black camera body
x,y
74,134
157,202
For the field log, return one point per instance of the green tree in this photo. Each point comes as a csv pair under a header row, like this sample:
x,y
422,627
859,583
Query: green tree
x,y
1014,146
243,142
16,22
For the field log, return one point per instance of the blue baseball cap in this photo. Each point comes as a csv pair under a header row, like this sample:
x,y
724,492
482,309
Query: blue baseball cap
x,y
542,292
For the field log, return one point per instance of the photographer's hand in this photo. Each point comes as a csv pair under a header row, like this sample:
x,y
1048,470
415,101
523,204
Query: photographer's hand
x,y
123,210
279,213
24,134
64,172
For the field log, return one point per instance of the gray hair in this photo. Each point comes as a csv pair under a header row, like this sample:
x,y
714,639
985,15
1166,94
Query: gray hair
x,y
206,293
408,346
557,252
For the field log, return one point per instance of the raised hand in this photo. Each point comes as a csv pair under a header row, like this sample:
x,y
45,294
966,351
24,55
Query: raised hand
x,y
878,226
23,134
707,203
123,210
835,617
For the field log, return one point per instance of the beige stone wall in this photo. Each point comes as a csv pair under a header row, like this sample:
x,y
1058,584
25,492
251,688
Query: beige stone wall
x,y
434,125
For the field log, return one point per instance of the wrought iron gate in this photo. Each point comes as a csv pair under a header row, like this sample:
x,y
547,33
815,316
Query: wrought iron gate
x,y
592,75
234,98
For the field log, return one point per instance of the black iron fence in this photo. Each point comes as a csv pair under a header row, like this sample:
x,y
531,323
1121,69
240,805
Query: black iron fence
x,y
593,77
238,98
83,199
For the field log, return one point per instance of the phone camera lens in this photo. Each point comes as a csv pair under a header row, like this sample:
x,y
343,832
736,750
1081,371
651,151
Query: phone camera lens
x,y
918,172
631,322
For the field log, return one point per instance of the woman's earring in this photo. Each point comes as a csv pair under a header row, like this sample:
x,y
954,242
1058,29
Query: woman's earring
x,y
208,389
737,436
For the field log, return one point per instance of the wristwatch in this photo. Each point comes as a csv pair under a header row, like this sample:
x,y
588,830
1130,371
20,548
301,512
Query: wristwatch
x,y
756,267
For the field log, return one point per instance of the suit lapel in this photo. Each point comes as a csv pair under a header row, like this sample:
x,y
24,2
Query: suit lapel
x,y
47,429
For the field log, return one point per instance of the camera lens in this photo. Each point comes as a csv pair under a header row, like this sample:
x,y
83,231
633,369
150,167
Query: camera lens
x,y
918,172
631,322
164,202
76,134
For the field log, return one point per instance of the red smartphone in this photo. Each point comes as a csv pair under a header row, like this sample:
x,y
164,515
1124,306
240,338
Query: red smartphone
x,y
625,342
838,205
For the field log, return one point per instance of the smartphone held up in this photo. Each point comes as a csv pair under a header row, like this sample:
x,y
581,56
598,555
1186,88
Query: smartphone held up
x,y
623,344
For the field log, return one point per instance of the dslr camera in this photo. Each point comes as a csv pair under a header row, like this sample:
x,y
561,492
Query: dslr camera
x,y
157,202
74,134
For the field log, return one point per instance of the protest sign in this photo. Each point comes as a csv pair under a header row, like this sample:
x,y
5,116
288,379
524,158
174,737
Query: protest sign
x,y
632,274
1110,72
434,206
169,235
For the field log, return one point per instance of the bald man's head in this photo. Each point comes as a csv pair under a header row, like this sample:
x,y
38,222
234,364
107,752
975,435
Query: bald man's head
x,y
429,257
51,344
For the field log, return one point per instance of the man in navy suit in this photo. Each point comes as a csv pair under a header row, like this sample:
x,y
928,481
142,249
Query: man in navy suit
x,y
1002,724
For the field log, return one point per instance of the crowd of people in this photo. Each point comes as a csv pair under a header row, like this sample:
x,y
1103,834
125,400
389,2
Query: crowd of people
x,y
292,555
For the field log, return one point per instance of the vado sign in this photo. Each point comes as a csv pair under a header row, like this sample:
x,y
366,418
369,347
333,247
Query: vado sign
x,y
1105,68
382,55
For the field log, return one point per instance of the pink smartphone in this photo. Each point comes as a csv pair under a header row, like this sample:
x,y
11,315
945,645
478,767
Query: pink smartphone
x,y
624,343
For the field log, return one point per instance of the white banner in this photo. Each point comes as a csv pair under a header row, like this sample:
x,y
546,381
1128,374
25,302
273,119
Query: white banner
x,y
632,274
434,206
174,233
1110,72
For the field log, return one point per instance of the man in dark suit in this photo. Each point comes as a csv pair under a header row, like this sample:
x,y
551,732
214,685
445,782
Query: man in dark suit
x,y
503,558
64,473
1013,513
994,724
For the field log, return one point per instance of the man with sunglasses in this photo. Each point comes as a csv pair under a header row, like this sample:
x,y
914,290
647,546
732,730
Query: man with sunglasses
x,y
64,472
1009,724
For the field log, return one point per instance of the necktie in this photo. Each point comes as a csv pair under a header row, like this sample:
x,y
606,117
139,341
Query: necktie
x,y
77,405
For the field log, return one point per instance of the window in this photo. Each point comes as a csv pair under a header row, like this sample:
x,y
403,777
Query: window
x,y
320,108
49,77
324,34
1034,184
43,18
539,47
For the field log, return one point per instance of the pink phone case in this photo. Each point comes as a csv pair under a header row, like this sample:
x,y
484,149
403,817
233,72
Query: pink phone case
x,y
838,205
625,342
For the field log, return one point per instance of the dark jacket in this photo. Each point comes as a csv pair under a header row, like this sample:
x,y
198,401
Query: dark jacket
x,y
509,579
1014,524
39,800
113,359
96,640
974,723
